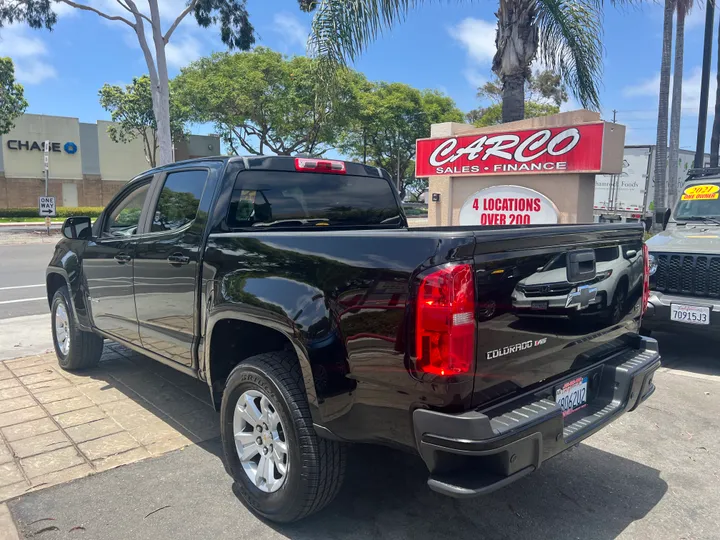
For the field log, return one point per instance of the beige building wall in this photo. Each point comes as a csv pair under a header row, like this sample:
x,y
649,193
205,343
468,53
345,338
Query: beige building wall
x,y
24,163
119,161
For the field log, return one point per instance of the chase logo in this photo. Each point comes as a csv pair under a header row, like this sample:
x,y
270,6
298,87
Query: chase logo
x,y
70,147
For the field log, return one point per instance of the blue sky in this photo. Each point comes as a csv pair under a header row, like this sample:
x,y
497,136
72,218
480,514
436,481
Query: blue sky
x,y
446,46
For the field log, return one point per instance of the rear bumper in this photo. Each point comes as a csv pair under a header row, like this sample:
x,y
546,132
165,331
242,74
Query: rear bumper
x,y
657,316
473,454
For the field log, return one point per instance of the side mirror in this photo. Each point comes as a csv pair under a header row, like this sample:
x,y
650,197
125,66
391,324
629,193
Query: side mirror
x,y
662,216
77,228
630,253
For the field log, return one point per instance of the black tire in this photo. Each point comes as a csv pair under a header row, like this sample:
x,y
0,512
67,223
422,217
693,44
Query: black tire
x,y
85,348
316,466
617,308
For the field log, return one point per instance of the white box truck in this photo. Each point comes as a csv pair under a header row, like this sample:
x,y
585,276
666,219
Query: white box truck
x,y
628,196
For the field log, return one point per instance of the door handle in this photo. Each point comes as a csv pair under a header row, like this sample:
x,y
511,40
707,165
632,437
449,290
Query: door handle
x,y
122,258
177,259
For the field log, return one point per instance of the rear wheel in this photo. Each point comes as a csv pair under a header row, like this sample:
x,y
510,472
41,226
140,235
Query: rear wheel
x,y
282,469
74,348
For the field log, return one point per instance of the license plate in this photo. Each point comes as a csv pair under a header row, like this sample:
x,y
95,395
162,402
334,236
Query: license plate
x,y
690,314
572,395
539,304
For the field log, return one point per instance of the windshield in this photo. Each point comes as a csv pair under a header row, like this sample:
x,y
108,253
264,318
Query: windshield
x,y
287,199
699,202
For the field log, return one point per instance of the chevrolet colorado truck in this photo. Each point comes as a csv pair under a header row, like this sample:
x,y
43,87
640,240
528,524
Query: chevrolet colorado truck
x,y
295,290
684,260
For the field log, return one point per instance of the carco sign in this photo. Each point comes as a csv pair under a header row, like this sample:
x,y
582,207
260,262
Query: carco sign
x,y
533,151
508,205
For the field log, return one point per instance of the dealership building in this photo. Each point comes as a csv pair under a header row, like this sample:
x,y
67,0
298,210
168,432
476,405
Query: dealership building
x,y
85,167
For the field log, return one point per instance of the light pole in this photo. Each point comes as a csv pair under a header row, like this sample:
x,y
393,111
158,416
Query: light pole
x,y
705,84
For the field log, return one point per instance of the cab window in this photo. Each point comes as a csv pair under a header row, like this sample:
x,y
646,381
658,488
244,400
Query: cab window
x,y
124,218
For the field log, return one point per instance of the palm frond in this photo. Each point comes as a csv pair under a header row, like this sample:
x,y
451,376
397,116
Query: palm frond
x,y
341,29
571,44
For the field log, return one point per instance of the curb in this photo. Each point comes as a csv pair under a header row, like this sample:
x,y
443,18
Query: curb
x,y
7,525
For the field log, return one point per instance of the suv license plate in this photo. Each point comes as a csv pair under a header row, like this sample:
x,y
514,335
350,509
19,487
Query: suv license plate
x,y
690,314
572,395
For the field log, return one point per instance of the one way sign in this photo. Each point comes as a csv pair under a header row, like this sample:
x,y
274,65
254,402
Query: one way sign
x,y
46,206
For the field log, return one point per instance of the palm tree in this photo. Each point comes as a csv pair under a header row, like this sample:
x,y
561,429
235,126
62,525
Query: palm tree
x,y
663,106
683,7
565,34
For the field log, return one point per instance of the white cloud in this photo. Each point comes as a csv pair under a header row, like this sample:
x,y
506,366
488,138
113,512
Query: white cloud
x,y
478,38
571,104
690,89
292,30
27,52
182,50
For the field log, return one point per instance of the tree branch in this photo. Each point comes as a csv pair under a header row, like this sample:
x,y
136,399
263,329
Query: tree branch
x,y
179,19
103,15
125,6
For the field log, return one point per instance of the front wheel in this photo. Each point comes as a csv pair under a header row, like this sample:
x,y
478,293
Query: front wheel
x,y
282,469
74,348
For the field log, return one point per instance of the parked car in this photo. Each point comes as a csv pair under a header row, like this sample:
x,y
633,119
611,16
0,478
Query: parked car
x,y
296,291
685,260
550,291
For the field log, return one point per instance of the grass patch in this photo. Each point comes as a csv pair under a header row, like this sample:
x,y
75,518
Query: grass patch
x,y
37,219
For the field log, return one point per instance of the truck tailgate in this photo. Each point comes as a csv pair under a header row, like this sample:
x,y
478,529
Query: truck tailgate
x,y
552,301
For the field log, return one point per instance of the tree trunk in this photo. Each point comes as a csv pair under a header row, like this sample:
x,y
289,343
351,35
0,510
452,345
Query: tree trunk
x,y
676,109
663,105
715,137
162,106
513,97
517,44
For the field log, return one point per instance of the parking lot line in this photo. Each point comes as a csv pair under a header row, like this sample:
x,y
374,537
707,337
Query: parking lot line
x,y
21,287
24,300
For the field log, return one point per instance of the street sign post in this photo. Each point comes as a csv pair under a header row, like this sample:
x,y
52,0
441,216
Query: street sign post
x,y
46,159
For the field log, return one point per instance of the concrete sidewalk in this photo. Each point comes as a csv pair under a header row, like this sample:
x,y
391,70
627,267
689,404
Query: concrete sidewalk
x,y
56,426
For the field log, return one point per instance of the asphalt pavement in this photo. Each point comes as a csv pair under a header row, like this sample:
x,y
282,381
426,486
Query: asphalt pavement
x,y
22,279
651,474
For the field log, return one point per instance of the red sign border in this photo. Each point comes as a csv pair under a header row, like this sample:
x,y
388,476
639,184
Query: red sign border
x,y
514,173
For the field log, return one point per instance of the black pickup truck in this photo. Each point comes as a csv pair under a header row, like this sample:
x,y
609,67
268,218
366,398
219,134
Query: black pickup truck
x,y
294,288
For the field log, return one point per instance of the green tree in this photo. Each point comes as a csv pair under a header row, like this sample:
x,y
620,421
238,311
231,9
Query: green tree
x,y
230,17
132,110
566,35
12,98
263,102
544,93
389,118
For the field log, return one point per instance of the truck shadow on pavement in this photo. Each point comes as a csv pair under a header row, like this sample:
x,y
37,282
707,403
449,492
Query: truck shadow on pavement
x,y
694,353
586,493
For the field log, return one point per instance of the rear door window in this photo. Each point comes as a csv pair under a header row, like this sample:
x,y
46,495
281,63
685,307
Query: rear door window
x,y
288,199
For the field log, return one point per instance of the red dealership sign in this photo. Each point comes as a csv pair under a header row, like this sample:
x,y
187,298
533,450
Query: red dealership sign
x,y
531,151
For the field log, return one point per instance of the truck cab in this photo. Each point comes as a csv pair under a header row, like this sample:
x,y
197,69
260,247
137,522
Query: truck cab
x,y
684,259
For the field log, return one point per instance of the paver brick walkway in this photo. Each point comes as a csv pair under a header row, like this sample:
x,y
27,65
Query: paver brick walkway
x,y
56,426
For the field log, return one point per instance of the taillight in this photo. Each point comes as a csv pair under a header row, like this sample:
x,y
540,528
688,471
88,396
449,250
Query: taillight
x,y
445,323
646,279
320,165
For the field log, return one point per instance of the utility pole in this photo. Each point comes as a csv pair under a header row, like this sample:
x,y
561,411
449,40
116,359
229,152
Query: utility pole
x,y
705,83
397,143
614,116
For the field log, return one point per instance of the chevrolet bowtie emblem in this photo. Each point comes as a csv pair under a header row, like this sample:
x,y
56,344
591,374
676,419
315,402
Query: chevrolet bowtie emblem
x,y
581,297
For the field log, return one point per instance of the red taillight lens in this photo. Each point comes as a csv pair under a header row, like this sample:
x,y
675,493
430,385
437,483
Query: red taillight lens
x,y
445,324
646,279
320,165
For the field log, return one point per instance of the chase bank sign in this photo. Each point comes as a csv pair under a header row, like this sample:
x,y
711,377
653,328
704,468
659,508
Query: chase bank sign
x,y
68,147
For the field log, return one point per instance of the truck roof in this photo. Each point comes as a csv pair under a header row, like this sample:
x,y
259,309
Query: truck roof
x,y
276,163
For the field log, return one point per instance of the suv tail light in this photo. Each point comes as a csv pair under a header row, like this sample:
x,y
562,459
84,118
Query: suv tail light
x,y
445,323
646,279
320,165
